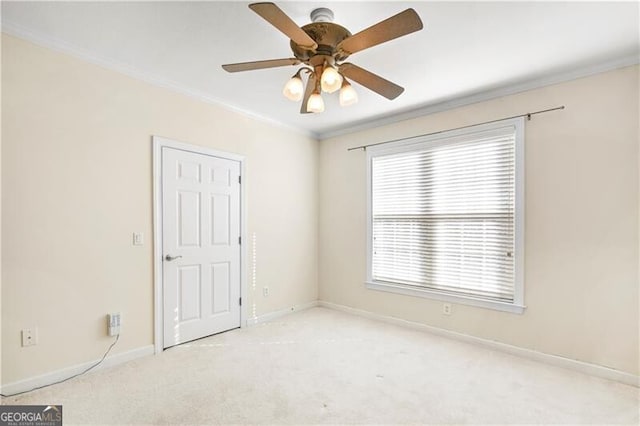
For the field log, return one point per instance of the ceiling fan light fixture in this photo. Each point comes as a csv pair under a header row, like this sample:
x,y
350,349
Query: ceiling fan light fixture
x,y
322,48
348,95
294,89
315,103
331,80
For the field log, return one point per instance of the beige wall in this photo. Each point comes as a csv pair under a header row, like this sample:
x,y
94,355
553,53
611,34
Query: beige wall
x,y
581,274
77,182
0,221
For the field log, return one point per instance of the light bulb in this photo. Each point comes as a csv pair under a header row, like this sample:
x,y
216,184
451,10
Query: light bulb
x,y
348,96
315,103
331,80
294,89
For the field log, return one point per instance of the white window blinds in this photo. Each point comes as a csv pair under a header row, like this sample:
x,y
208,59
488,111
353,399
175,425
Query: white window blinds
x,y
443,215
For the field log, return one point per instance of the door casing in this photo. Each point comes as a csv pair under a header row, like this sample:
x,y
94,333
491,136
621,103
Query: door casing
x,y
158,143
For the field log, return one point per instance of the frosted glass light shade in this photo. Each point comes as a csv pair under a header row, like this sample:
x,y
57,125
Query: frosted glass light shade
x,y
294,89
331,80
348,96
315,103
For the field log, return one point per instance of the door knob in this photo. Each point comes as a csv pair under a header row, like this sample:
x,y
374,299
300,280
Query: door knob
x,y
169,258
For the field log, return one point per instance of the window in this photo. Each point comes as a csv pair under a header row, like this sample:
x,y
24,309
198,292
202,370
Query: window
x,y
445,216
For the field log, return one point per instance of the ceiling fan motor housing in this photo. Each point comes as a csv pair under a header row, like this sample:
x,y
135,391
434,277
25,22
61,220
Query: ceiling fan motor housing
x,y
327,35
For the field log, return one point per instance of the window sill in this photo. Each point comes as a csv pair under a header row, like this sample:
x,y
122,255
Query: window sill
x,y
446,297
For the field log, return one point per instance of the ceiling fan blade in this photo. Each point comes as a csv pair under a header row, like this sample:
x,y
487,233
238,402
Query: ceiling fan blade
x,y
276,17
371,81
258,65
397,26
311,84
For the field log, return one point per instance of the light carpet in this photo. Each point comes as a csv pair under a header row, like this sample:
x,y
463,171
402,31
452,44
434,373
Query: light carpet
x,y
325,366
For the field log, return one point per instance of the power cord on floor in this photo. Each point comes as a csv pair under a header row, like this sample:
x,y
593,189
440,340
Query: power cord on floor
x,y
68,378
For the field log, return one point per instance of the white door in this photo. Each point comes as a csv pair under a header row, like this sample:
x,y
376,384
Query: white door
x,y
201,245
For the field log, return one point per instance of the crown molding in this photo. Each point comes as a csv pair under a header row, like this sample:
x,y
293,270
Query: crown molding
x,y
482,96
19,31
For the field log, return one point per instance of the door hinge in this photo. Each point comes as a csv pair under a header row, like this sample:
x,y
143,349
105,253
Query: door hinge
x,y
240,301
239,179
240,240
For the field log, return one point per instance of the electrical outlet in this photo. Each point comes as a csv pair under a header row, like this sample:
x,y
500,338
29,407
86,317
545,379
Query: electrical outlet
x,y
446,308
30,336
113,324
265,291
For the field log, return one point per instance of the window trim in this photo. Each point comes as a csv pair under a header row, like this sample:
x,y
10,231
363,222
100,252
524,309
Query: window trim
x,y
409,144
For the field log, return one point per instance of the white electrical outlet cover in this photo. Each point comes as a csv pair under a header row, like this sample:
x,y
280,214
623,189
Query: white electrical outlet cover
x,y
113,324
29,336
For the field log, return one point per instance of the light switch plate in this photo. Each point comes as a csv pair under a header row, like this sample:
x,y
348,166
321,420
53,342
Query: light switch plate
x,y
138,238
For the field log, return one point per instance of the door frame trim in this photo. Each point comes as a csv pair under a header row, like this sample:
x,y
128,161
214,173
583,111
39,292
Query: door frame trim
x,y
159,142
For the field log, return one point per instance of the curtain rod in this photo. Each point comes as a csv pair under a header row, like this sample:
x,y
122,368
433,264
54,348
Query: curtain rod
x,y
528,115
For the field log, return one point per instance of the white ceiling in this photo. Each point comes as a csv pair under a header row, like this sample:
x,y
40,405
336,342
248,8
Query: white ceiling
x,y
465,49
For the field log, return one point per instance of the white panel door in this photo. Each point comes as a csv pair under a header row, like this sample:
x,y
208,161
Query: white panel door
x,y
201,245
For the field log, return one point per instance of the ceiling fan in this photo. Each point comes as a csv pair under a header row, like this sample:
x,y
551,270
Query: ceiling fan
x,y
322,47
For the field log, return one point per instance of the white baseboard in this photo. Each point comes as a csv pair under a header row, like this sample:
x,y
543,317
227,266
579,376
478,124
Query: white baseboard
x,y
558,361
277,314
55,376
583,367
